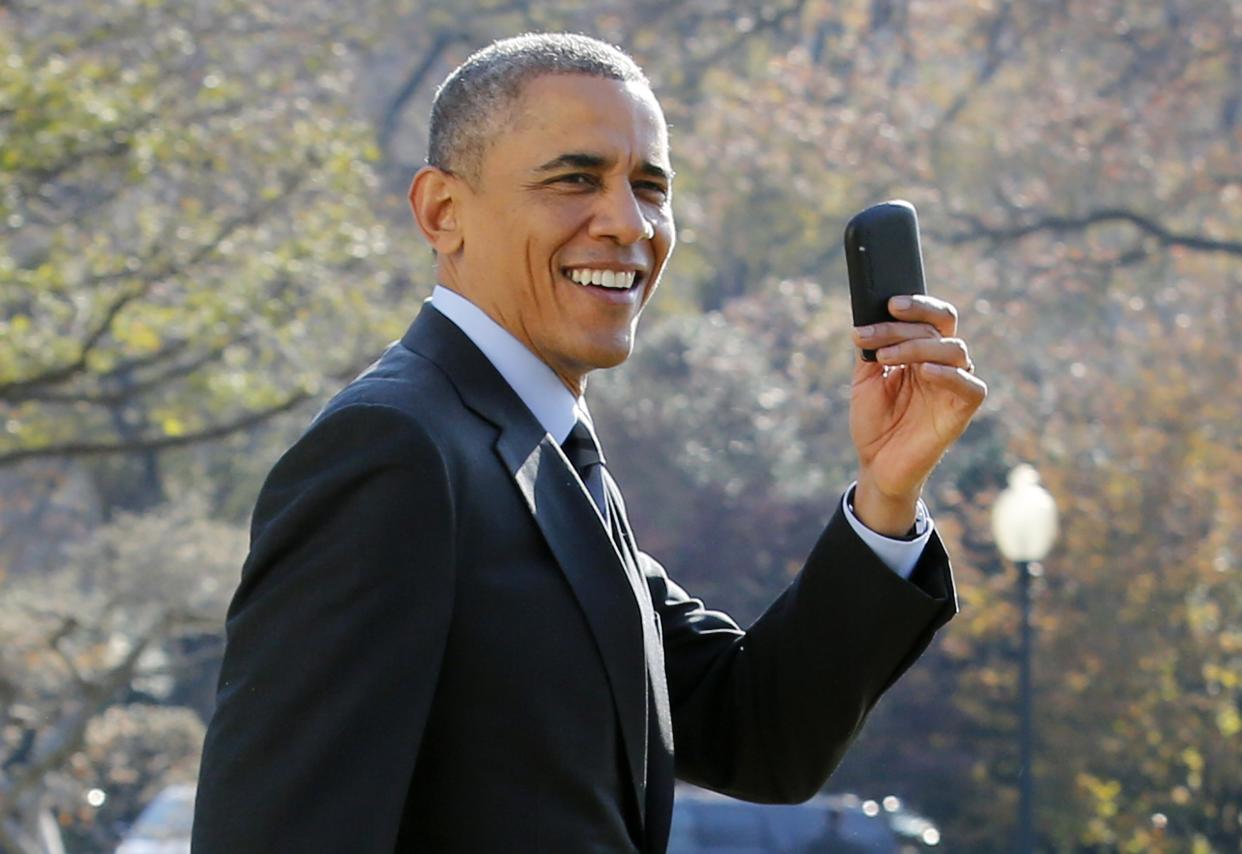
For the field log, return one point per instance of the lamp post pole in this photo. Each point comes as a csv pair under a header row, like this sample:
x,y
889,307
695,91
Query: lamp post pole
x,y
1024,523
1026,783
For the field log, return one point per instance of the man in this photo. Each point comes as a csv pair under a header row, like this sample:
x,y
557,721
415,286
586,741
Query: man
x,y
445,637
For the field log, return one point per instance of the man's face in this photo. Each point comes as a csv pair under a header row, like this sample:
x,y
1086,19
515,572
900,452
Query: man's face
x,y
566,229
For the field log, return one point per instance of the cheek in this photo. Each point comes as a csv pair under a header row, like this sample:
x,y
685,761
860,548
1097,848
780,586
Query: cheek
x,y
537,280
666,240
554,218
549,230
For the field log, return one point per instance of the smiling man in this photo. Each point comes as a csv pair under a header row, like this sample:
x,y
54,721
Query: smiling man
x,y
446,637
560,231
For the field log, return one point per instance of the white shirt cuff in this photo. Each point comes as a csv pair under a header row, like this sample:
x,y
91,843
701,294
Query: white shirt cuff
x,y
898,555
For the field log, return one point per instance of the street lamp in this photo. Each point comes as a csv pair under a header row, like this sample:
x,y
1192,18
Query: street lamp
x,y
1024,523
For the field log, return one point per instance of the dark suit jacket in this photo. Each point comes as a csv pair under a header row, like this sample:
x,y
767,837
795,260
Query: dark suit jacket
x,y
436,646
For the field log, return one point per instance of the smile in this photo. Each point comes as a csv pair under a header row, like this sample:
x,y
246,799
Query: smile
x,y
620,280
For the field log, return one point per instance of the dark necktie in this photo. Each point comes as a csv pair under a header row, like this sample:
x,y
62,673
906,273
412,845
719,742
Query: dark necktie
x,y
587,459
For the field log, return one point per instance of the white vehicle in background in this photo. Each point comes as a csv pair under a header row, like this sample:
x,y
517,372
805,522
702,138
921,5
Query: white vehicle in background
x,y
163,826
703,823
708,823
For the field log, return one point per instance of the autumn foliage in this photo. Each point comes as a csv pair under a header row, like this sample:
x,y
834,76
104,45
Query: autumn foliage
x,y
201,237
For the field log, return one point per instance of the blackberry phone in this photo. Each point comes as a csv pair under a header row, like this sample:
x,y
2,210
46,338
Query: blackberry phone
x,y
885,258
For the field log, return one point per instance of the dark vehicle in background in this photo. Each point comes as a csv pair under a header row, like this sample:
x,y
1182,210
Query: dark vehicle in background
x,y
707,823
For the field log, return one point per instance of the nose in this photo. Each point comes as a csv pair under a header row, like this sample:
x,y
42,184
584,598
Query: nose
x,y
619,216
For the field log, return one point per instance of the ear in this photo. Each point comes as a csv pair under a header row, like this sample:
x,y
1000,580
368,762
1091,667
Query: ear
x,y
434,200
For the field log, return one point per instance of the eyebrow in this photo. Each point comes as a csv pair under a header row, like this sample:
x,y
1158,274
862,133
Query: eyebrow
x,y
582,160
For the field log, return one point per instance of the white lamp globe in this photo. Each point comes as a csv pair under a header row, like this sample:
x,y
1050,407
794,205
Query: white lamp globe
x,y
1024,518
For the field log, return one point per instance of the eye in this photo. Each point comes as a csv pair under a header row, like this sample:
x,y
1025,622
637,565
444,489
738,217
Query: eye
x,y
651,190
576,179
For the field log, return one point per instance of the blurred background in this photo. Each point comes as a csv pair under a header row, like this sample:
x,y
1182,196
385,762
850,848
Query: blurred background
x,y
203,235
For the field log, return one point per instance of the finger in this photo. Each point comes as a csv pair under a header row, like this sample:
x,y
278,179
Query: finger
x,y
965,385
921,308
943,351
883,334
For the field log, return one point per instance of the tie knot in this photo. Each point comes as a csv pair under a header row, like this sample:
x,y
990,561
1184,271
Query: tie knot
x,y
581,449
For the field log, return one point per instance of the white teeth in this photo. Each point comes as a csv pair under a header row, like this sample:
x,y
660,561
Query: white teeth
x,y
604,278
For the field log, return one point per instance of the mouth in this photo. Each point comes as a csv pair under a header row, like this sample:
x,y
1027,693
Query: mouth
x,y
605,279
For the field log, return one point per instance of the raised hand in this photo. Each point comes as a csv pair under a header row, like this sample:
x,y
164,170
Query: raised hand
x,y
908,407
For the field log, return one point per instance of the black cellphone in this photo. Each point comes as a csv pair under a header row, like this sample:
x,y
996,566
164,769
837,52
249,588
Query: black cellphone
x,y
884,258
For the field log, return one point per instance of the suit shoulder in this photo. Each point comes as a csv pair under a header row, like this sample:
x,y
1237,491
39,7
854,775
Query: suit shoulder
x,y
401,393
401,412
401,380
352,446
363,430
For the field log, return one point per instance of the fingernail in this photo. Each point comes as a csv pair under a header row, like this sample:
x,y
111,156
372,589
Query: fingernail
x,y
866,331
902,302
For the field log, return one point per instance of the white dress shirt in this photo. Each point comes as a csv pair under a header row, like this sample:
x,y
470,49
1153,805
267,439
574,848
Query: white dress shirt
x,y
556,408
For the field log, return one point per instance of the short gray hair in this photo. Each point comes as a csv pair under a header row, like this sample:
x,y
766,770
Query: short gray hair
x,y
473,102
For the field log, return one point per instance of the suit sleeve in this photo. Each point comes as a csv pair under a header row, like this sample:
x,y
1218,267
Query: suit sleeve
x,y
767,714
334,643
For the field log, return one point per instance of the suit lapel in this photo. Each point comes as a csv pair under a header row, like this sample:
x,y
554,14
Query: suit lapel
x,y
568,520
654,644
567,517
657,811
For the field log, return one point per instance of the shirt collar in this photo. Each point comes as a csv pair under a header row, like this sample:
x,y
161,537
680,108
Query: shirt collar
x,y
553,405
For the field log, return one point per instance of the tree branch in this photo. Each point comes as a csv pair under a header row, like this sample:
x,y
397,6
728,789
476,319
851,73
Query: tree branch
x,y
67,625
146,360
765,18
16,389
13,838
979,230
994,57
413,82
50,172
67,734
133,390
153,443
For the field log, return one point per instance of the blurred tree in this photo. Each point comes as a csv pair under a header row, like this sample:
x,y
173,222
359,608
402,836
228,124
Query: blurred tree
x,y
130,753
107,624
187,244
1076,169
191,236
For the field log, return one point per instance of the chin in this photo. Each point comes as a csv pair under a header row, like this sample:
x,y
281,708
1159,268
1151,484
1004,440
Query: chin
x,y
603,358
